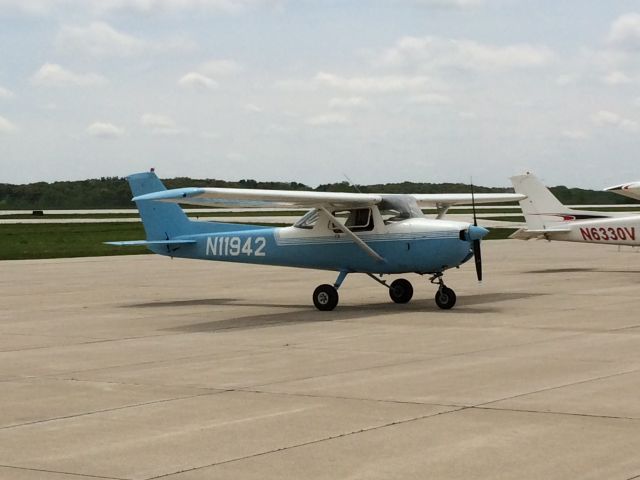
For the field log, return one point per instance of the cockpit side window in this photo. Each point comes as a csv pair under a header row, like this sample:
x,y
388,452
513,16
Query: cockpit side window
x,y
358,220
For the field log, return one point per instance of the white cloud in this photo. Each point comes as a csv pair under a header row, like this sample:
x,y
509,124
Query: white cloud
x,y
328,119
104,130
204,77
616,78
575,134
53,75
161,124
625,32
348,102
250,107
101,39
6,127
449,3
372,84
5,93
468,115
197,81
606,118
429,53
431,99
566,79
44,7
219,68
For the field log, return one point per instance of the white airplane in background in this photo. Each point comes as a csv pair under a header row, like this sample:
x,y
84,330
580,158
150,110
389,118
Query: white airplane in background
x,y
631,190
547,218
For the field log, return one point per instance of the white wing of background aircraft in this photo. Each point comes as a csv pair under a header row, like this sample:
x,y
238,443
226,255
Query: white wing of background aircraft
x,y
631,190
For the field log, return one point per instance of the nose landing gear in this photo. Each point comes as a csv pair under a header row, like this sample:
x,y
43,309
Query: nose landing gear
x,y
445,297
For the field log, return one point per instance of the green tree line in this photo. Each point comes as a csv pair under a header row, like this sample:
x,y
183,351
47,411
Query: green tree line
x,y
113,192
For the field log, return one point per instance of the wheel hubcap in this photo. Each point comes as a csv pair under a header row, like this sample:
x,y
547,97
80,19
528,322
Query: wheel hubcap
x,y
323,298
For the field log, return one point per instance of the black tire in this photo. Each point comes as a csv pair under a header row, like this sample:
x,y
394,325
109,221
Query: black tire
x,y
401,291
445,298
325,297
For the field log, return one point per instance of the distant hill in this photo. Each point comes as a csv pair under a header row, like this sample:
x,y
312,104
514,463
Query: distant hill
x,y
113,192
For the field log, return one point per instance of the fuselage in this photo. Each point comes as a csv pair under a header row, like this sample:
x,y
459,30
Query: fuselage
x,y
613,231
419,245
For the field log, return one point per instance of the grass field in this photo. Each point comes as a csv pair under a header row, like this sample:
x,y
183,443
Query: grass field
x,y
50,240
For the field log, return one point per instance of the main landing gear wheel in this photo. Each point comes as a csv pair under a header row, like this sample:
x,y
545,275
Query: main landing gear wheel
x,y
325,297
400,291
445,298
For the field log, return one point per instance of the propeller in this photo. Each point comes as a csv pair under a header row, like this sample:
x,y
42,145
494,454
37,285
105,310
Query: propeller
x,y
477,254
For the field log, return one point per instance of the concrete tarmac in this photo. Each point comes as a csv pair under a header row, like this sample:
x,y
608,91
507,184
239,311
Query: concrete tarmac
x,y
143,367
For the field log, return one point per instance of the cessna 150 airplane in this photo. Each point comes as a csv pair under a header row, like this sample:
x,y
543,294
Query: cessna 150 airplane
x,y
547,218
382,234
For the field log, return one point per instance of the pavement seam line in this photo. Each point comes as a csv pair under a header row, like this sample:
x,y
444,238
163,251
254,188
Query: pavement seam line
x,y
548,389
114,409
338,397
586,415
414,360
63,473
310,442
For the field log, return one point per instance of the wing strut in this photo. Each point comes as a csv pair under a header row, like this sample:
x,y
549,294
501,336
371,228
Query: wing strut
x,y
370,251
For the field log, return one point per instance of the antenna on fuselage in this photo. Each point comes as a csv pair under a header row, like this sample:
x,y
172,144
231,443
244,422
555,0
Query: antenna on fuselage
x,y
351,183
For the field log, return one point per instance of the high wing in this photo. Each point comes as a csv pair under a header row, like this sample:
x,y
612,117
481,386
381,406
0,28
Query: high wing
x,y
246,198
631,190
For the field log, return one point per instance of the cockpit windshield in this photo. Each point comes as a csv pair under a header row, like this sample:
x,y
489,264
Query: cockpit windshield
x,y
308,220
395,208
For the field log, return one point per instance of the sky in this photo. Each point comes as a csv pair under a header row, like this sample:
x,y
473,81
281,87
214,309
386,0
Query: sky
x,y
315,90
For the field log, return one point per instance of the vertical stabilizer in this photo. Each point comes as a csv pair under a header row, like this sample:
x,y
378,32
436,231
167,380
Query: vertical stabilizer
x,y
541,208
161,221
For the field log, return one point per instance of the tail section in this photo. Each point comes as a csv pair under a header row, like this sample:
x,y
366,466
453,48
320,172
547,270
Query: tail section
x,y
166,225
541,208
542,211
161,221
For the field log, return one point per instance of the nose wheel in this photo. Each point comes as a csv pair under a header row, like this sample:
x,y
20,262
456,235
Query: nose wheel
x,y
445,297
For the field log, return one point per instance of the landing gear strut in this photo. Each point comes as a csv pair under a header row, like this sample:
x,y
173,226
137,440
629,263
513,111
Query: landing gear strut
x,y
445,297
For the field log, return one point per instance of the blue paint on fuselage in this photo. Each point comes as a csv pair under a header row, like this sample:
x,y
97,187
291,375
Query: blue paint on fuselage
x,y
413,254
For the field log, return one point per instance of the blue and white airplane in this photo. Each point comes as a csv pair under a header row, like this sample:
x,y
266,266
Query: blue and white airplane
x,y
383,234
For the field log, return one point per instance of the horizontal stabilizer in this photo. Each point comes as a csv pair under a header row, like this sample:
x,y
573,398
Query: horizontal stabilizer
x,y
142,243
526,234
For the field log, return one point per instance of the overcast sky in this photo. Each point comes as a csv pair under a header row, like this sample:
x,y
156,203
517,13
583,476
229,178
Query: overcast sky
x,y
310,90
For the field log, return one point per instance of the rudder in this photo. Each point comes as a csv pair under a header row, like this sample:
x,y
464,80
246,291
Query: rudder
x,y
161,221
